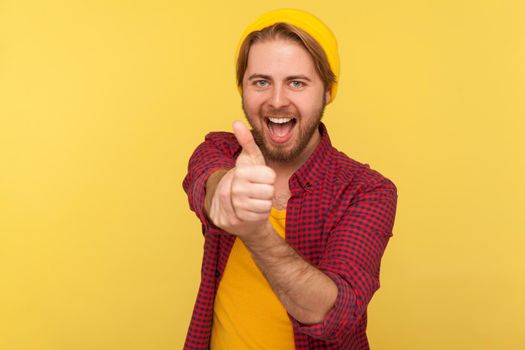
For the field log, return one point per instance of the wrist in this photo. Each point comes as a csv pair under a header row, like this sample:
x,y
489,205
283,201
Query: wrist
x,y
211,185
258,239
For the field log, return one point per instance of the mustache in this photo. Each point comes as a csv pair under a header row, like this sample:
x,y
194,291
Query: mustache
x,y
276,113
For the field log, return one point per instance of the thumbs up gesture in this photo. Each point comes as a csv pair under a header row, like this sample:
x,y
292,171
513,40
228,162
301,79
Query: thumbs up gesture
x,y
250,154
242,201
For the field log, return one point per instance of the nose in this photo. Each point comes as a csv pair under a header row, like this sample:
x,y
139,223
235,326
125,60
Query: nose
x,y
279,97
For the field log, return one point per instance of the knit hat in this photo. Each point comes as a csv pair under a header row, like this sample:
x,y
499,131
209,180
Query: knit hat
x,y
307,22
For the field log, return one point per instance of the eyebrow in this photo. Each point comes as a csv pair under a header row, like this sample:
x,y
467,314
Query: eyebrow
x,y
267,77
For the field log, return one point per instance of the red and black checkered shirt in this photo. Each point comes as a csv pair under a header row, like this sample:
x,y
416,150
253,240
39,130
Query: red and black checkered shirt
x,y
339,217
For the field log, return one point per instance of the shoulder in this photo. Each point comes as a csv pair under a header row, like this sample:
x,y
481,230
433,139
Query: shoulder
x,y
221,137
356,176
223,141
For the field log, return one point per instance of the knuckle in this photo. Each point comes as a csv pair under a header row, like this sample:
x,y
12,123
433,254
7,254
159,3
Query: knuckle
x,y
242,215
266,192
241,172
271,191
236,203
269,173
236,190
224,193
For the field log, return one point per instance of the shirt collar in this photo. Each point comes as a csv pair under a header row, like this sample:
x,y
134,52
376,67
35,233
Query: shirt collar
x,y
309,174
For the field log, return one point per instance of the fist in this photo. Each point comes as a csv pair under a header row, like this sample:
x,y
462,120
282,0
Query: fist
x,y
242,201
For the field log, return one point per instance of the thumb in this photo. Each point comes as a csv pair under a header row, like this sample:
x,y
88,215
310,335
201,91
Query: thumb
x,y
245,139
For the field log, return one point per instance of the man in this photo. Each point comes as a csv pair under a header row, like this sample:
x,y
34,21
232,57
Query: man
x,y
294,229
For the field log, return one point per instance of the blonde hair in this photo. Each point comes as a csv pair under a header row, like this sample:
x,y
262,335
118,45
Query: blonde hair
x,y
287,31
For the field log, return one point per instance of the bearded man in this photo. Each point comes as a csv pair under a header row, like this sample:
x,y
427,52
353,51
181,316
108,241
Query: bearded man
x,y
294,229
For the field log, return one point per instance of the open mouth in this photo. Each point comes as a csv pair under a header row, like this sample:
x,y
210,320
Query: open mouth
x,y
280,128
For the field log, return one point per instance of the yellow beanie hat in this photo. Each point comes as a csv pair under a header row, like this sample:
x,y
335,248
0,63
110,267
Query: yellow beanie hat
x,y
307,22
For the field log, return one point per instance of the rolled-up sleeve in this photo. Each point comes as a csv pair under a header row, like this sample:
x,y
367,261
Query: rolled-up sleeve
x,y
218,151
352,258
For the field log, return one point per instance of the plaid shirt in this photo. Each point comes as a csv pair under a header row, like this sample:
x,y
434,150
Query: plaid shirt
x,y
339,217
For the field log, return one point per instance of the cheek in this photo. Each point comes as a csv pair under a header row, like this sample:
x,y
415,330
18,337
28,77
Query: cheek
x,y
252,103
307,105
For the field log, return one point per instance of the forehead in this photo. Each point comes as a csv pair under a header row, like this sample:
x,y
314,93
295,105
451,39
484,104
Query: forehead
x,y
280,57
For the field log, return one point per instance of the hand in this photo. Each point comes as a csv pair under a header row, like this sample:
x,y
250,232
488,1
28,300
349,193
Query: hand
x,y
242,201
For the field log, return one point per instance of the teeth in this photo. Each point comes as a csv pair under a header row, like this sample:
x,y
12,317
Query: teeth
x,y
280,120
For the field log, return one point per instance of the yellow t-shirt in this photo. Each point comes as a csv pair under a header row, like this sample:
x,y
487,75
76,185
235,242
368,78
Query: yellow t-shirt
x,y
247,313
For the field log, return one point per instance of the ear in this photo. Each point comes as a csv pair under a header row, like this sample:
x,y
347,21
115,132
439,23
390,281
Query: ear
x,y
327,96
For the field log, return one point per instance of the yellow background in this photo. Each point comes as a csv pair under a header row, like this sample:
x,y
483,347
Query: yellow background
x,y
102,103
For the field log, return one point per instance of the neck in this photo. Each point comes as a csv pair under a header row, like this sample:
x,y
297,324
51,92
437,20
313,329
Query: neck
x,y
284,170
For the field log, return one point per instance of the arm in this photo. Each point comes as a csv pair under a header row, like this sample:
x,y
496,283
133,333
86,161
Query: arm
x,y
211,185
352,258
239,201
352,255
331,298
305,292
216,152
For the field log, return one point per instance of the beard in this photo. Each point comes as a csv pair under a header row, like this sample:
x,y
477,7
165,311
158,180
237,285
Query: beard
x,y
278,153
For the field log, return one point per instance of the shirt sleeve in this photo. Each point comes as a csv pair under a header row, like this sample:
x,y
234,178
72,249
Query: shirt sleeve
x,y
352,258
218,151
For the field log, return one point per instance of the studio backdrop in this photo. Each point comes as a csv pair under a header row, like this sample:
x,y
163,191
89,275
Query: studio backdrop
x,y
103,102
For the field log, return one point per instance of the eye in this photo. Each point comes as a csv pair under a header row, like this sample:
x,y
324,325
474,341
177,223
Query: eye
x,y
297,83
261,83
